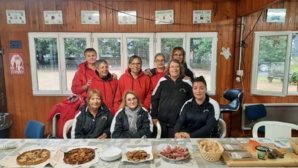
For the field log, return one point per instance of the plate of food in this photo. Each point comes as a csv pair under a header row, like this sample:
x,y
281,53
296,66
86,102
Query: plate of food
x,y
78,157
137,155
174,153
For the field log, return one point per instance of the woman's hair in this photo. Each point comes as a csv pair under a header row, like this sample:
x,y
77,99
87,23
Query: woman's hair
x,y
159,54
90,50
180,67
98,62
95,92
134,57
123,103
178,48
200,79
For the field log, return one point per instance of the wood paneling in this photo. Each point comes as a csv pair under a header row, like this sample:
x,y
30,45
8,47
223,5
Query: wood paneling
x,y
247,7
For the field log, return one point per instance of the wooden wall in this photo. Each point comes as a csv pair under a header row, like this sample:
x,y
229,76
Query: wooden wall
x,y
290,24
22,105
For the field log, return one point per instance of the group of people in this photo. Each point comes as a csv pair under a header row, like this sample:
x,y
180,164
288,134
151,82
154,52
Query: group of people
x,y
131,106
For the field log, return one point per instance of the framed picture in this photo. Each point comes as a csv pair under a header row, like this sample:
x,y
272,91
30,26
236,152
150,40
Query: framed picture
x,y
127,17
276,15
90,17
15,17
164,17
53,17
201,16
16,64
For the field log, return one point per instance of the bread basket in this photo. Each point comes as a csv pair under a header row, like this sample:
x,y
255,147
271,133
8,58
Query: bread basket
x,y
210,149
294,144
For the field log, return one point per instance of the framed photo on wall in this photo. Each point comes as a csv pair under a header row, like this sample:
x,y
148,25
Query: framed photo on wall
x,y
15,17
90,17
164,17
127,17
53,17
276,15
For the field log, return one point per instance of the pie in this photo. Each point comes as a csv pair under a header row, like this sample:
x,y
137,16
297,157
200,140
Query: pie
x,y
33,157
79,156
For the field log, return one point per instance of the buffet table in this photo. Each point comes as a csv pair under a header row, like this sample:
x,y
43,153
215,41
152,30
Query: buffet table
x,y
61,145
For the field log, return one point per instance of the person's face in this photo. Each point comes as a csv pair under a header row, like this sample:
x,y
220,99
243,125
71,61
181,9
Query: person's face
x,y
90,57
135,66
174,69
159,62
178,55
131,101
199,90
94,102
103,70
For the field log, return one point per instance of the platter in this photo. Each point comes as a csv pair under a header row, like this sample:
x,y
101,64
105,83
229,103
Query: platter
x,y
174,153
148,150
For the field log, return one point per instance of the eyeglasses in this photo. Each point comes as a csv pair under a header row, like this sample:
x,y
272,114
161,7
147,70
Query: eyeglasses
x,y
174,67
131,99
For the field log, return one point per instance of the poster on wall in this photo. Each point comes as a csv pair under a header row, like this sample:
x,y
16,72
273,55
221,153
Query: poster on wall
x,y
53,17
127,17
16,64
201,16
90,17
164,17
15,17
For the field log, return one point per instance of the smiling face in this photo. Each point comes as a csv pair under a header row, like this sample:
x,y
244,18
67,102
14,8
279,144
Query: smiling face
x,y
94,101
174,70
178,55
103,70
90,57
159,62
135,66
199,90
131,101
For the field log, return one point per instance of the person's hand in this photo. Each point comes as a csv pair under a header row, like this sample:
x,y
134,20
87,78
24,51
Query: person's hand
x,y
147,72
85,87
155,121
104,135
114,76
185,135
187,78
178,135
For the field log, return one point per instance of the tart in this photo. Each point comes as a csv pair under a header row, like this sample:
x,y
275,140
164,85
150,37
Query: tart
x,y
79,156
33,157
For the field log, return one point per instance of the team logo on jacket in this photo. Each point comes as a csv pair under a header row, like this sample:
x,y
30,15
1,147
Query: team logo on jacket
x,y
206,110
182,90
104,118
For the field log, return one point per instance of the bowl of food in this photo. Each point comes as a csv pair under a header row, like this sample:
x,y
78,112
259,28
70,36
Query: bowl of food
x,y
210,149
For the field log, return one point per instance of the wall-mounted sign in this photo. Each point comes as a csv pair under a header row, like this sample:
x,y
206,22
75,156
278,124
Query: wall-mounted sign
x,y
164,17
90,17
16,64
15,17
276,15
201,16
127,17
53,17
15,44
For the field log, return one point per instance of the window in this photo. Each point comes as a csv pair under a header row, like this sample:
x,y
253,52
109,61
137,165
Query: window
x,y
275,64
55,56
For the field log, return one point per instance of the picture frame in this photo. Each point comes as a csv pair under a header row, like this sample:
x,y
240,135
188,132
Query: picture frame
x,y
53,17
90,17
127,17
201,16
164,17
15,17
276,15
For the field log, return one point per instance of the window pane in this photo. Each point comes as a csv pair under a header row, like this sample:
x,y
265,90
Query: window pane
x,y
293,87
167,44
110,50
201,57
140,47
74,55
47,64
271,62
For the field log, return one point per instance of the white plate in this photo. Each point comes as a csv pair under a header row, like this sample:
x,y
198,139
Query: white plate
x,y
147,149
111,154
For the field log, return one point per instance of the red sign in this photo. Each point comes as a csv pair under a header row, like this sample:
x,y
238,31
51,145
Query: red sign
x,y
16,64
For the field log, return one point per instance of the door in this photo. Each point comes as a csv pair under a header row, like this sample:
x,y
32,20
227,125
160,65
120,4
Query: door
x,y
3,107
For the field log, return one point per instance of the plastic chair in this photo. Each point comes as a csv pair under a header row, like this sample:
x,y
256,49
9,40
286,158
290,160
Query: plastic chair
x,y
275,129
66,127
256,112
158,130
223,127
235,97
34,129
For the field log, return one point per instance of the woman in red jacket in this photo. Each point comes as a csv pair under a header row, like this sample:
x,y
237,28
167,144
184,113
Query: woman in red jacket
x,y
134,79
86,72
104,82
159,71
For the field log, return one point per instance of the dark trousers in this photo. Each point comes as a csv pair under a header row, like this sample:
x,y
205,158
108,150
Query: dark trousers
x,y
166,131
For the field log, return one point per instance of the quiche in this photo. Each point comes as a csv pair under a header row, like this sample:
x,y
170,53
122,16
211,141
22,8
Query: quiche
x,y
33,157
79,156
